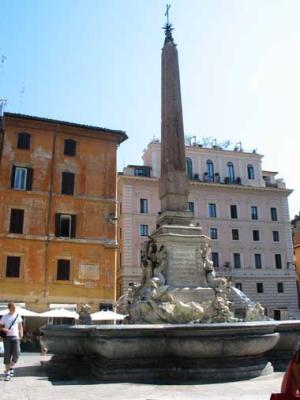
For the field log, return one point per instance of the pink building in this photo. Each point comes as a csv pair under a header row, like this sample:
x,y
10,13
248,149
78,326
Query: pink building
x,y
243,209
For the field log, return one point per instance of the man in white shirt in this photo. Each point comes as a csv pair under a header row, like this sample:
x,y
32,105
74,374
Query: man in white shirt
x,y
11,324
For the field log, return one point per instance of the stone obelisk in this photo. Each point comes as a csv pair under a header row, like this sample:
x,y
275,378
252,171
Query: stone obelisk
x,y
181,241
173,187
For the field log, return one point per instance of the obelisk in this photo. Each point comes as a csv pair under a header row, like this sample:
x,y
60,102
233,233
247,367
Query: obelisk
x,y
173,185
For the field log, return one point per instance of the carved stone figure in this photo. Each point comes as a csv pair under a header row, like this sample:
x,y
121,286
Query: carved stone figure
x,y
256,313
218,284
159,268
84,315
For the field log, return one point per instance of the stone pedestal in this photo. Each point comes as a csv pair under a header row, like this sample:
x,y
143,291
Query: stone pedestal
x,y
184,272
182,218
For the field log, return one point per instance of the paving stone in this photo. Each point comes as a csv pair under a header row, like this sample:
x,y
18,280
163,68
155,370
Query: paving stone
x,y
32,384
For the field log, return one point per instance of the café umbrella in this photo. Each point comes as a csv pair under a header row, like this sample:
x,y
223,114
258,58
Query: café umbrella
x,y
106,316
21,311
59,313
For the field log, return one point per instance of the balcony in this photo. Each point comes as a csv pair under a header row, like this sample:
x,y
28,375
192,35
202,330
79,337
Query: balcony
x,y
216,179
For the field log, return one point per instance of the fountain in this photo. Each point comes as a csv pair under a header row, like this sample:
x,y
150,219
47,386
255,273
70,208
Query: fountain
x,y
181,326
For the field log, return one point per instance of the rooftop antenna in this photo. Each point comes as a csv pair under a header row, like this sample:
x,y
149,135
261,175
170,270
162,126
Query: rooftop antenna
x,y
2,106
2,61
21,98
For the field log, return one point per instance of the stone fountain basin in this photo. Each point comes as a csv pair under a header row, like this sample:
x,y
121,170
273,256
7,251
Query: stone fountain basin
x,y
153,341
282,353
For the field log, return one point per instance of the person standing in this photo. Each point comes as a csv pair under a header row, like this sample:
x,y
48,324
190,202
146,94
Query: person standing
x,y
11,324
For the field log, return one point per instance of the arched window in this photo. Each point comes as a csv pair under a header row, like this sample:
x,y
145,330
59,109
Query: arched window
x,y
250,169
210,170
230,171
189,168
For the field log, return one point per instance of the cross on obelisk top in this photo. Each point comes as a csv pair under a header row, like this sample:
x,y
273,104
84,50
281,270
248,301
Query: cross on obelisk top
x,y
168,27
167,12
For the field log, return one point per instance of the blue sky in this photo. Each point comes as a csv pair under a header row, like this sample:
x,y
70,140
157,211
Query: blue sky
x,y
98,62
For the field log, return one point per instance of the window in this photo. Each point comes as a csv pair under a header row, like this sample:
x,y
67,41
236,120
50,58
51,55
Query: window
x,y
191,206
210,170
67,183
23,141
21,178
275,236
215,259
235,234
250,171
280,288
274,214
233,211
70,147
142,171
255,235
259,287
278,262
257,260
65,225
236,260
189,168
143,206
254,212
230,171
213,233
16,221
63,270
212,210
144,230
120,233
12,267
239,286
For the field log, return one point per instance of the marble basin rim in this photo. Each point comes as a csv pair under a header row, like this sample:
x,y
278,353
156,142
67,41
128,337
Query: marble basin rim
x,y
196,341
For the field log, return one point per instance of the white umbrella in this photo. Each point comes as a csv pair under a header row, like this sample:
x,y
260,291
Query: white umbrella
x,y
106,316
21,311
59,313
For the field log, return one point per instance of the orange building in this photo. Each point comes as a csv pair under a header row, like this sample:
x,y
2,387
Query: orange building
x,y
57,212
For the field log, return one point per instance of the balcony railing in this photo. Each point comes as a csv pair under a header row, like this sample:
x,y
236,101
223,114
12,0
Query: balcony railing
x,y
217,179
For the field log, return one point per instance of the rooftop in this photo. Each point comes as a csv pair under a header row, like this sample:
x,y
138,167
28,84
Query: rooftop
x,y
122,134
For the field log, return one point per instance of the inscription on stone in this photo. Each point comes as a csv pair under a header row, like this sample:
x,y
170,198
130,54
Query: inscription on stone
x,y
89,271
182,267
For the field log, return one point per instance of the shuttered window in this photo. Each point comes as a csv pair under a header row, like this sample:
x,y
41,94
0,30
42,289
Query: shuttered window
x,y
233,211
278,261
16,221
67,183
12,267
21,178
23,141
70,147
63,270
65,225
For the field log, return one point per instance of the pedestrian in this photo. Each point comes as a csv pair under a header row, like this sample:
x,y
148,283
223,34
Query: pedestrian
x,y
11,325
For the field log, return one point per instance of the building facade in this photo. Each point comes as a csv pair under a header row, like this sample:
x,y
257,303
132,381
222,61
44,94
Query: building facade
x,y
296,242
243,209
57,212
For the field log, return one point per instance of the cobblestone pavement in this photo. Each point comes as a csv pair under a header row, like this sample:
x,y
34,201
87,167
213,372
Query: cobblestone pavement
x,y
31,383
